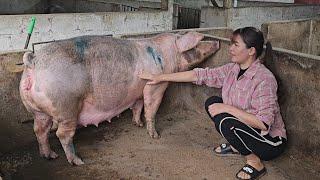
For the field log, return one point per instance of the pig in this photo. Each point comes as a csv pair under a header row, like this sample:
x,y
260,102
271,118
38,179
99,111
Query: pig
x,y
89,79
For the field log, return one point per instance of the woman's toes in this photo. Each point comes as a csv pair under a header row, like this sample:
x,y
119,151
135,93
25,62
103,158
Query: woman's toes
x,y
218,149
243,175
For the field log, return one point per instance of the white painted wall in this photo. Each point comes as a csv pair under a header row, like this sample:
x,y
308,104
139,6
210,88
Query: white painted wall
x,y
254,16
60,26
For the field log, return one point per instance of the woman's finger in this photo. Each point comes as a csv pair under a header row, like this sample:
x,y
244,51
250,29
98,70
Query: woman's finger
x,y
212,111
144,75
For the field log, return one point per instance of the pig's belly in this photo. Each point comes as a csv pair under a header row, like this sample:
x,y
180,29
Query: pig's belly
x,y
90,114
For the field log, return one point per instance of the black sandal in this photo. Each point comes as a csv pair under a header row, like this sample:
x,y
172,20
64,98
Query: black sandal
x,y
226,150
253,172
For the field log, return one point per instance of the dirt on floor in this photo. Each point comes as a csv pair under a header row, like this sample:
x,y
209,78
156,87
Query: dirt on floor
x,y
120,150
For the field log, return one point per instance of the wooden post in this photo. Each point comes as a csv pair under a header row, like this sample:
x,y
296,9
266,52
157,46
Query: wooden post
x,y
164,4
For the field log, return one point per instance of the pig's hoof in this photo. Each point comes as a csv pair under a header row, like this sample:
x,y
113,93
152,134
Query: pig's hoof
x,y
138,124
76,161
154,134
49,155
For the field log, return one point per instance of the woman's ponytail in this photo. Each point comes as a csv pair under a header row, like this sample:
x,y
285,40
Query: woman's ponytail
x,y
268,53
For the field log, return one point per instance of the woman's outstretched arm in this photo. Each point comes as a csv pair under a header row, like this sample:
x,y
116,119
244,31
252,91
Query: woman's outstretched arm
x,y
187,76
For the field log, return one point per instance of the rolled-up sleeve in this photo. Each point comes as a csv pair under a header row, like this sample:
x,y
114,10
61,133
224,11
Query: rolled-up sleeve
x,y
265,101
212,77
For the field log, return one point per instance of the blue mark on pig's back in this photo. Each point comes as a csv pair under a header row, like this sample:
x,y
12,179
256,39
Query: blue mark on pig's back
x,y
156,56
81,44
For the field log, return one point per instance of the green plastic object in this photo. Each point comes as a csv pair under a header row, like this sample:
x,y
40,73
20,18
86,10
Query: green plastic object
x,y
31,25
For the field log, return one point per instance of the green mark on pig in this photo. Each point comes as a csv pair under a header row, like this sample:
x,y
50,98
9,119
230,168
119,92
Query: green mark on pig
x,y
81,45
156,57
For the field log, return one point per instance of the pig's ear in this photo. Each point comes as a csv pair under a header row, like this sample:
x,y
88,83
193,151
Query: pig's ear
x,y
28,59
188,41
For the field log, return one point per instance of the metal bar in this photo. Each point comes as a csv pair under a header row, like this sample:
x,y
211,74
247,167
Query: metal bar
x,y
37,43
27,41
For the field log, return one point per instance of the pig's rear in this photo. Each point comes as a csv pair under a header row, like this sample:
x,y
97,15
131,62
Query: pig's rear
x,y
94,74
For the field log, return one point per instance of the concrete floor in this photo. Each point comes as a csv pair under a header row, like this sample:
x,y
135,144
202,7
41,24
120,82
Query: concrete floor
x,y
122,151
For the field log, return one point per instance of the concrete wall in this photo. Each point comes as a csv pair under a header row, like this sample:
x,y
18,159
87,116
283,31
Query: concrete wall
x,y
254,16
298,35
60,26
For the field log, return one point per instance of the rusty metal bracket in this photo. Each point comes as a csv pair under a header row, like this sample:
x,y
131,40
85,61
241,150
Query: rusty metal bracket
x,y
37,43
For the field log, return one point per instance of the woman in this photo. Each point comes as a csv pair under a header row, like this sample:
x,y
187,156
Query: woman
x,y
248,115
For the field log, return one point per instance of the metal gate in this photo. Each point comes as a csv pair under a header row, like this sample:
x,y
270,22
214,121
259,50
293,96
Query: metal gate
x,y
188,18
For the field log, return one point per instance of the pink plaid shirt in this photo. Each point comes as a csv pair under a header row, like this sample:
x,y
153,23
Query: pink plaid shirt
x,y
255,92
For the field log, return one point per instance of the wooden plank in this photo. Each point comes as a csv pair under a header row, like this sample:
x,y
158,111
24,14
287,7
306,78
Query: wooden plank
x,y
307,1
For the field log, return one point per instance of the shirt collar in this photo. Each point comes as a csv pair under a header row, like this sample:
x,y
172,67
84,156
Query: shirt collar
x,y
250,72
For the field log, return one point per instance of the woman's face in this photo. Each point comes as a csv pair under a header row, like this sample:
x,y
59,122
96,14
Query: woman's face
x,y
238,51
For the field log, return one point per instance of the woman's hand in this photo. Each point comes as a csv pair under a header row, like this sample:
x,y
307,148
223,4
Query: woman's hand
x,y
218,108
154,79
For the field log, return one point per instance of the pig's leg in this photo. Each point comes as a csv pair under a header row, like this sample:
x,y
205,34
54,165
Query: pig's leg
x,y
65,133
136,110
41,127
152,95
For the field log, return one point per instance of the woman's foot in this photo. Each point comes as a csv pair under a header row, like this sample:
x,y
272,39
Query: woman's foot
x,y
225,149
253,169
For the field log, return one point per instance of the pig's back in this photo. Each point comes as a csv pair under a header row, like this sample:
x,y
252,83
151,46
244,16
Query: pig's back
x,y
112,65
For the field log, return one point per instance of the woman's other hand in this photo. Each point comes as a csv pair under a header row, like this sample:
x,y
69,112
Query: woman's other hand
x,y
218,108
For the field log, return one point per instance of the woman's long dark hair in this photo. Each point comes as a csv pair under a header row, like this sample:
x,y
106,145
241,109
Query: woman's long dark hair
x,y
253,37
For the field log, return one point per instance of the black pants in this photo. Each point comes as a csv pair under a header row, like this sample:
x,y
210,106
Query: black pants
x,y
244,138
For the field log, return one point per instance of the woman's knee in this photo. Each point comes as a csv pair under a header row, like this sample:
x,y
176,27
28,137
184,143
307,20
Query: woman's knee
x,y
228,124
212,100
